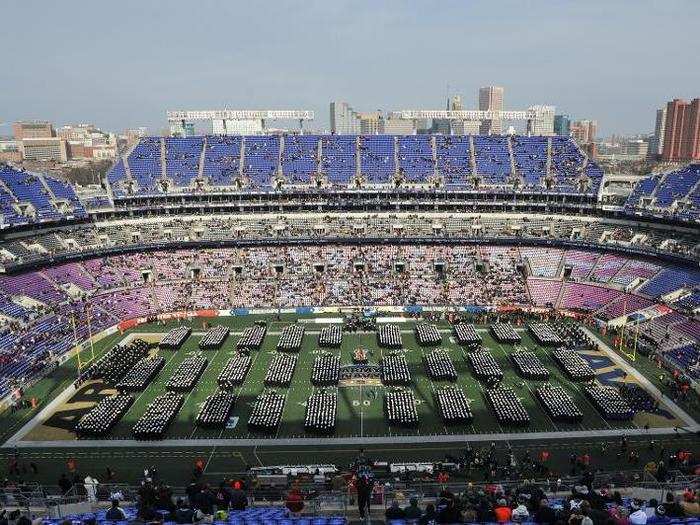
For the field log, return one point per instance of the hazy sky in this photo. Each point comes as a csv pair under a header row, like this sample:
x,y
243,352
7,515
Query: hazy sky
x,y
123,63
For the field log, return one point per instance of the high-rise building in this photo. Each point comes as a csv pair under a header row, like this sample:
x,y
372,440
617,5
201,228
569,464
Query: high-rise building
x,y
35,129
562,125
491,99
370,123
656,144
543,124
344,119
682,131
584,131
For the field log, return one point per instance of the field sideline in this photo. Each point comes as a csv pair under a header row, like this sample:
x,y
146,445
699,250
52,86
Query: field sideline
x,y
360,408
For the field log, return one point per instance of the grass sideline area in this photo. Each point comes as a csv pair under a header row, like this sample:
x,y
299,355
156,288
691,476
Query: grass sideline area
x,y
360,413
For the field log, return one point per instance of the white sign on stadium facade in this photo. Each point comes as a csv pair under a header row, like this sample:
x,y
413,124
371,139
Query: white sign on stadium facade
x,y
240,114
418,114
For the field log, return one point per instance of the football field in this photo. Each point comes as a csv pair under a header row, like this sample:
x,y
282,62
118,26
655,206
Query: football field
x,y
360,406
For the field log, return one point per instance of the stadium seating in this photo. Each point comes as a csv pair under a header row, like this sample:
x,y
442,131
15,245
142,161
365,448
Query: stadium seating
x,y
182,157
339,162
27,198
222,159
101,291
261,158
492,159
530,159
377,161
300,158
673,194
145,164
415,157
249,516
453,159
567,163
670,280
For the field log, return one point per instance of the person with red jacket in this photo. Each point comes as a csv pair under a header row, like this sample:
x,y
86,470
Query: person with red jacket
x,y
295,501
502,511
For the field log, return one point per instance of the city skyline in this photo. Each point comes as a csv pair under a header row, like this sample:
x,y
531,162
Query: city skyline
x,y
577,58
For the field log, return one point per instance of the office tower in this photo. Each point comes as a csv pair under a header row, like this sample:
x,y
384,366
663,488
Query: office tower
x,y
682,131
656,145
562,125
543,124
491,99
584,131
344,119
35,129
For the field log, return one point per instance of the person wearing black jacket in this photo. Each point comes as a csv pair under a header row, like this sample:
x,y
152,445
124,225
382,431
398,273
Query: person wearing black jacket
x,y
545,514
64,483
239,500
364,494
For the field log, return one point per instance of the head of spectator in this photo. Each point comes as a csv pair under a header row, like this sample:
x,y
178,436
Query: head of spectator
x,y
412,511
394,512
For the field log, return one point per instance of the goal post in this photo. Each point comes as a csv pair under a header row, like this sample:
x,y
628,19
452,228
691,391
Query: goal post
x,y
84,356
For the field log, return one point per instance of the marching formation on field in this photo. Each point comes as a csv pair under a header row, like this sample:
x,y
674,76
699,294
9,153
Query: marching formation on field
x,y
131,368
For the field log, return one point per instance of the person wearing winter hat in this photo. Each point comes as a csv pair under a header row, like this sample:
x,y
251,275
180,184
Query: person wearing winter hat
x,y
638,515
658,517
520,514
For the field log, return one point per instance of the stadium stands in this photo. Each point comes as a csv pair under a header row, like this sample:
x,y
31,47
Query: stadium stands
x,y
28,198
377,161
182,157
673,194
222,159
114,288
381,157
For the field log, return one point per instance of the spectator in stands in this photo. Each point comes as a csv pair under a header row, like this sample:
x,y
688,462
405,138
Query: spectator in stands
x,y
64,483
657,516
545,514
394,512
502,511
239,500
690,503
412,511
520,513
223,496
638,516
364,487
672,508
115,512
204,501
294,501
23,520
91,488
183,514
429,516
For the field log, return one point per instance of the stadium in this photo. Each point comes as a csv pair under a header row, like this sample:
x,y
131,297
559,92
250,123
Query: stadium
x,y
237,299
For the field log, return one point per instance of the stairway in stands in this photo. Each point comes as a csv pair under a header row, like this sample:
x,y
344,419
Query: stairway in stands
x,y
511,156
548,168
241,161
280,153
163,167
202,159
472,155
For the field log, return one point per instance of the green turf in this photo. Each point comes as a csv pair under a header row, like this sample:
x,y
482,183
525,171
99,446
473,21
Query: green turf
x,y
360,408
